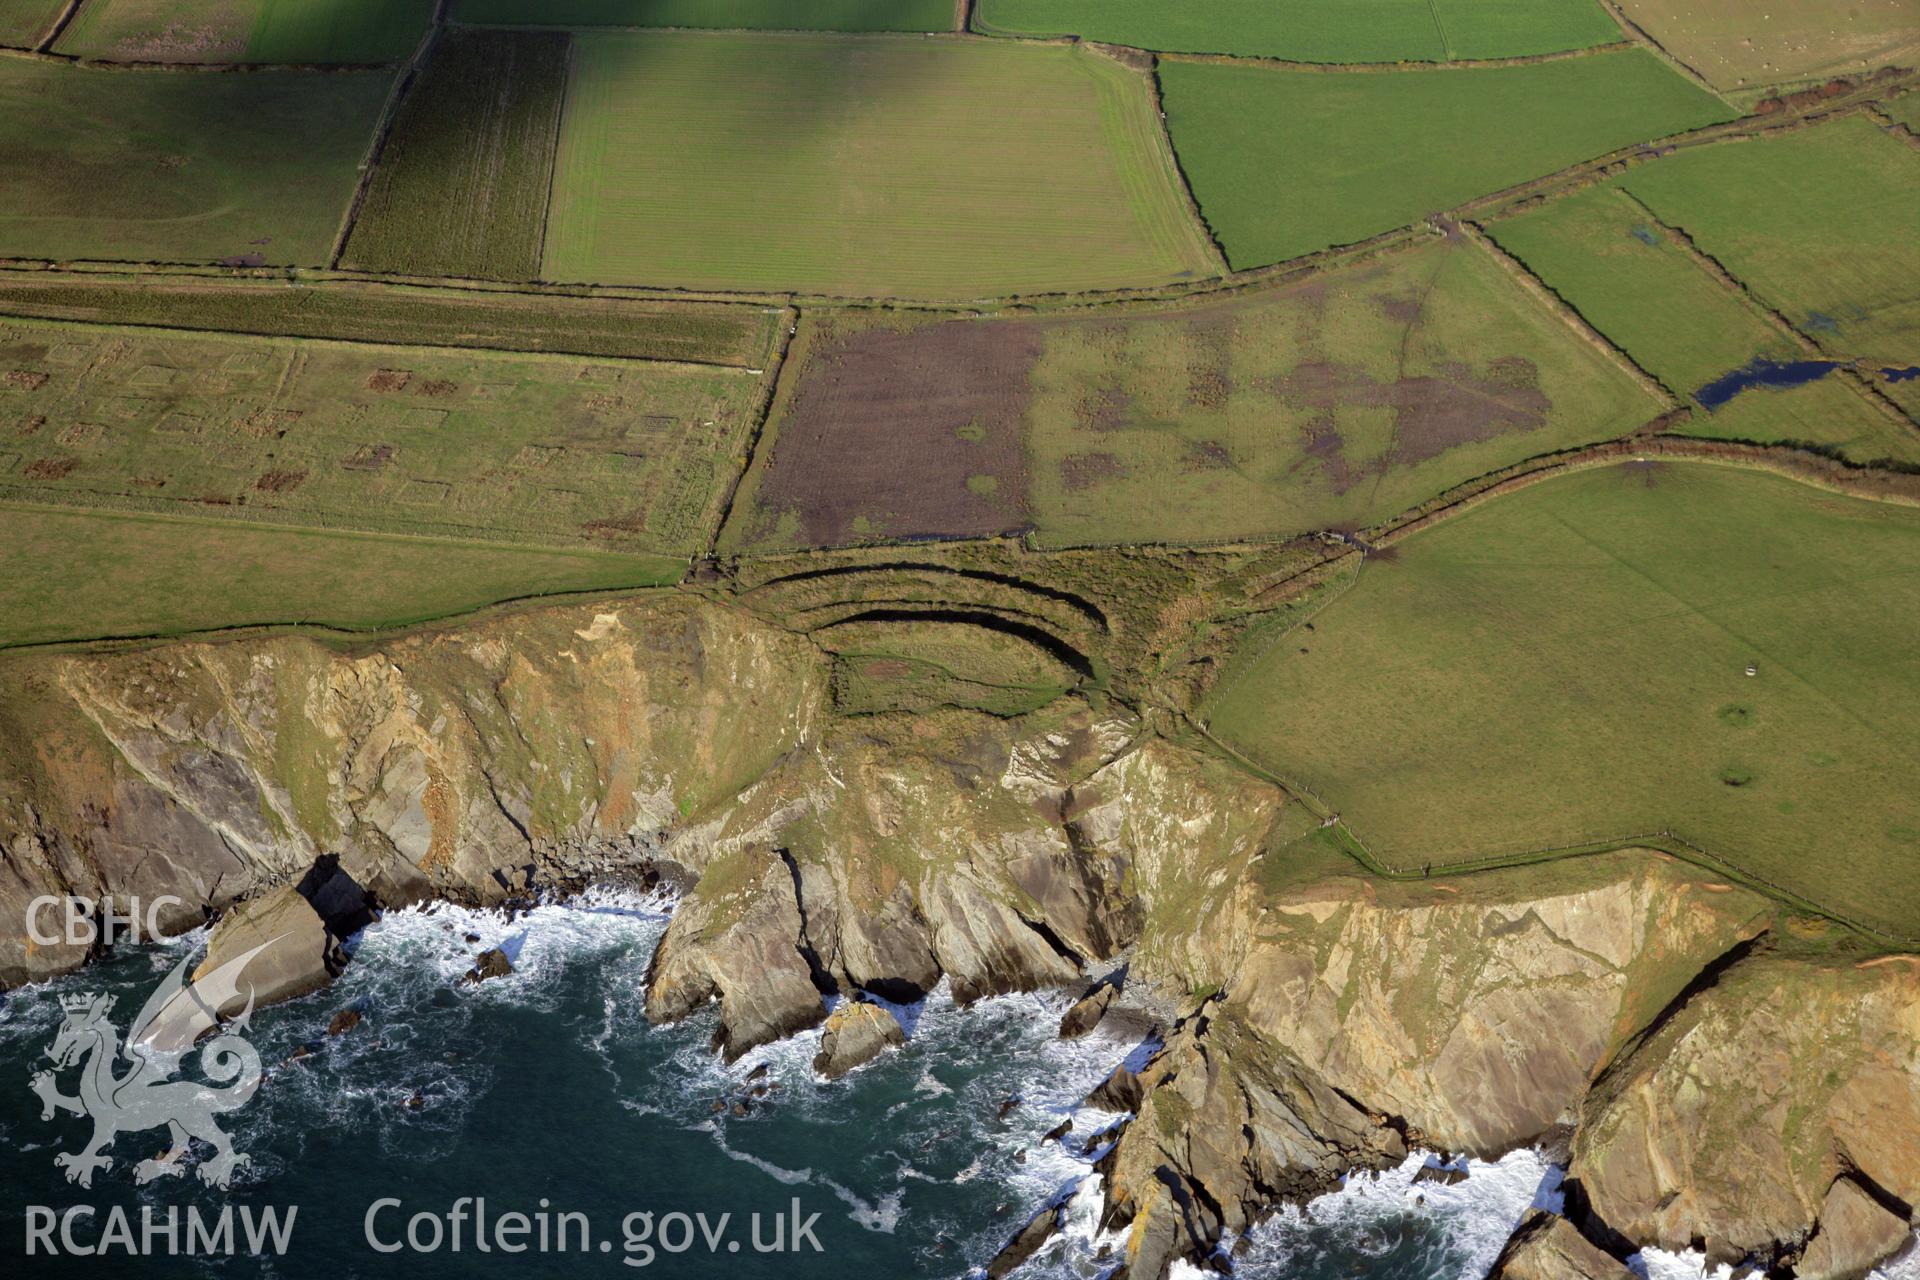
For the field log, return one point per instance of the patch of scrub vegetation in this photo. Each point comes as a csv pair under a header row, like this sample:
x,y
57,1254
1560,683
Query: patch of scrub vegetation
x,y
737,15
473,143
156,166
1547,671
1364,152
641,329
1738,48
492,446
1818,223
269,31
860,166
25,23
1606,256
1334,402
1311,31
80,575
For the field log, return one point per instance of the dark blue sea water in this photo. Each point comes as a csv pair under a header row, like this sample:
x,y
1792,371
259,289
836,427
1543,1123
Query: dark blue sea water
x,y
546,1091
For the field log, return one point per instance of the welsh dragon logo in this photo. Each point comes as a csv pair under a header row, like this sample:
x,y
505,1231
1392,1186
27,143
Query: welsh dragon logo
x,y
144,1095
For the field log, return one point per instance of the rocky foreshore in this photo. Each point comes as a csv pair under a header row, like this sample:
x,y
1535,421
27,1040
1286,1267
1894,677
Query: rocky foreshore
x,y
1736,1078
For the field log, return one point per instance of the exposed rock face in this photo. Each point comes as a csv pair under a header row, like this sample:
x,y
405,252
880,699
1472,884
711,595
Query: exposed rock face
x,y
446,762
1732,1121
1026,1242
1227,1129
1468,1016
1087,1011
857,1032
300,955
1856,1231
1546,1246
738,941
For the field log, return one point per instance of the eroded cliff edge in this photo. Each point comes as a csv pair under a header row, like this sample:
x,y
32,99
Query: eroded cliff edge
x,y
1320,1019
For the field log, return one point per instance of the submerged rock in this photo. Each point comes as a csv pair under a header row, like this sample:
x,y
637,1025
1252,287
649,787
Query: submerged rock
x,y
857,1032
343,1022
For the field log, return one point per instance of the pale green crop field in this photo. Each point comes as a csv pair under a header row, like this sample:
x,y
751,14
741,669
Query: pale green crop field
x,y
1286,162
863,166
1313,31
1567,665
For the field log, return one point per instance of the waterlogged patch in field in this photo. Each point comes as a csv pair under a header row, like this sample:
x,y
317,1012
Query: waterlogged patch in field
x,y
1364,152
1310,31
743,15
493,446
463,179
25,23
270,31
1332,403
1819,223
161,166
862,165
81,575
1607,257
1569,665
641,329
1736,46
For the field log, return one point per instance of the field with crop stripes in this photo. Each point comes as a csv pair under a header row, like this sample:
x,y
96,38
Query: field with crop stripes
x,y
24,23
475,141
871,165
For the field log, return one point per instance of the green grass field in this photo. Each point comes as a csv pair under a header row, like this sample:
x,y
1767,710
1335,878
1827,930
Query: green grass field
x,y
1362,153
24,23
1334,403
80,575
739,335
1599,251
1820,224
862,166
1905,109
269,31
1567,665
1791,40
747,15
161,166
552,450
462,184
1306,31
